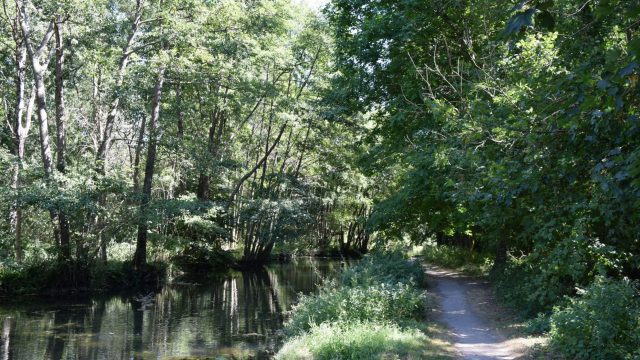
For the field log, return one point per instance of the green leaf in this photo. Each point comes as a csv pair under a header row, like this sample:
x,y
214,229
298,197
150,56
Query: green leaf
x,y
546,20
604,9
634,46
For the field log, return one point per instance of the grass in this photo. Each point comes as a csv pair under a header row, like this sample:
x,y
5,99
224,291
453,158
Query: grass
x,y
356,341
458,259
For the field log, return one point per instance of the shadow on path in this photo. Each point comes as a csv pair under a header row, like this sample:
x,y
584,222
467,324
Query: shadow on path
x,y
473,336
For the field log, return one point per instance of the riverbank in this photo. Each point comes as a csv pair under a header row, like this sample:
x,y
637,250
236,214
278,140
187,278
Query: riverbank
x,y
377,308
55,279
238,315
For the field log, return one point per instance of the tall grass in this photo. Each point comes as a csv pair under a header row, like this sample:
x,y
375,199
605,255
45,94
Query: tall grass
x,y
355,340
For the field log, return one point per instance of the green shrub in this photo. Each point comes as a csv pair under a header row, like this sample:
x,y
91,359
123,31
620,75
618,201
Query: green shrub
x,y
514,284
377,302
359,340
54,278
460,259
39,277
602,323
360,316
391,268
548,275
540,324
120,275
532,285
201,258
25,279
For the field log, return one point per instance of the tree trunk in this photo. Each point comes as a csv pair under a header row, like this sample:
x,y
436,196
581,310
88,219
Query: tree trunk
x,y
304,147
140,257
203,180
257,165
105,137
501,253
136,161
61,163
19,137
39,69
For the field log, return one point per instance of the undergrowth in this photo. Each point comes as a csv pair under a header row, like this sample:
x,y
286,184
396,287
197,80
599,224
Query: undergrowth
x,y
601,323
355,340
374,311
55,278
377,302
459,259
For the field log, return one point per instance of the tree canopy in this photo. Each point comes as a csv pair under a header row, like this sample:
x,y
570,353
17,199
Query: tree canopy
x,y
173,127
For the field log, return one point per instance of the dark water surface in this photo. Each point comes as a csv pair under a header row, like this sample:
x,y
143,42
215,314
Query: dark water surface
x,y
238,316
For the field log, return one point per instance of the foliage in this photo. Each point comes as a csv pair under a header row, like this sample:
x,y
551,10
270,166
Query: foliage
x,y
198,259
237,155
510,126
380,287
363,311
378,302
121,276
357,340
30,279
603,322
56,279
470,262
541,324
379,268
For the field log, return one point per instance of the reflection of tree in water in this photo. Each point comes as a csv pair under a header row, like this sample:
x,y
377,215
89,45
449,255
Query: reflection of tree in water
x,y
65,326
60,333
245,308
262,307
218,317
138,321
7,326
97,313
303,275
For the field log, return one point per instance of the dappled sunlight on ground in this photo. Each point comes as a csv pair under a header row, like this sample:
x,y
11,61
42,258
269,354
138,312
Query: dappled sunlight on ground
x,y
479,327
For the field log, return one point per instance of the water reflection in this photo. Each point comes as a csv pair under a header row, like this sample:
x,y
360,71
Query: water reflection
x,y
238,316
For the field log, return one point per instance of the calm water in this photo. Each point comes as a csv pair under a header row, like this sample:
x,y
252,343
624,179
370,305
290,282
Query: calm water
x,y
235,317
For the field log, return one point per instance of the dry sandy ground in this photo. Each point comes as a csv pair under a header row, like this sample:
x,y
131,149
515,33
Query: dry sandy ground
x,y
480,329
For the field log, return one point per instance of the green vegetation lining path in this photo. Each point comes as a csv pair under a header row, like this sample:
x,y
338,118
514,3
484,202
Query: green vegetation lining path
x,y
473,336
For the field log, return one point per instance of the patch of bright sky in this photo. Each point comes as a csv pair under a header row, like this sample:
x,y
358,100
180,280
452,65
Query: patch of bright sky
x,y
313,4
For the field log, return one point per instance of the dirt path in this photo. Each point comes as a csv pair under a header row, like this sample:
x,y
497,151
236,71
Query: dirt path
x,y
461,300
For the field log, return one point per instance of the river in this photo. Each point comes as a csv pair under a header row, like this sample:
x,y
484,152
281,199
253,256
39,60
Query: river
x,y
239,316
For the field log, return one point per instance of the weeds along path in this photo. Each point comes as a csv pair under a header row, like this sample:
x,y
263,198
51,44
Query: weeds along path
x,y
473,335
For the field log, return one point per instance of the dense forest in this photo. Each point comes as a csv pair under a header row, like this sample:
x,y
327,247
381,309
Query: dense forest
x,y
137,130
502,128
215,134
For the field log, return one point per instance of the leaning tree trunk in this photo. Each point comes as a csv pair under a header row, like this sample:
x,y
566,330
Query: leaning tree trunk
x,y
127,51
39,69
140,256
